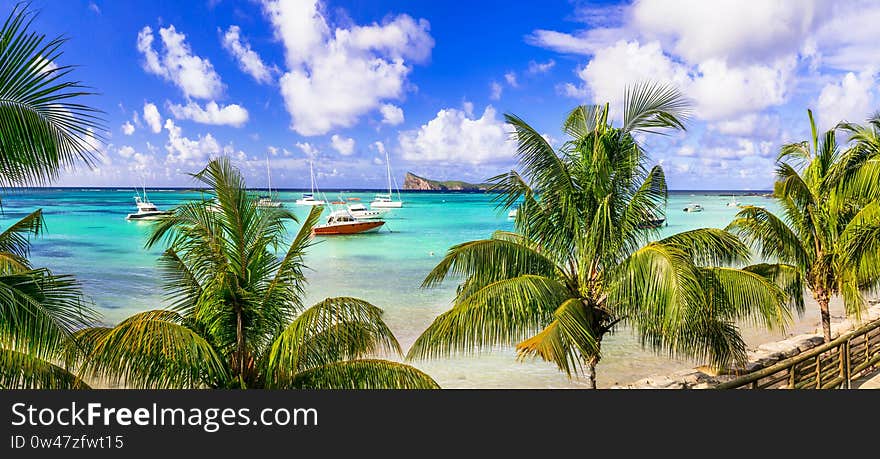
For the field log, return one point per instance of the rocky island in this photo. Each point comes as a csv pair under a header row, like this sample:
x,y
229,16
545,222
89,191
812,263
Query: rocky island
x,y
414,182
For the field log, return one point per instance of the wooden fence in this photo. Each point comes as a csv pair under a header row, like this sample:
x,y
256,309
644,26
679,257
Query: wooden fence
x,y
828,366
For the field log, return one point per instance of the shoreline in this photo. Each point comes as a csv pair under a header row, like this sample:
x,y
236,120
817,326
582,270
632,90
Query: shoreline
x,y
761,356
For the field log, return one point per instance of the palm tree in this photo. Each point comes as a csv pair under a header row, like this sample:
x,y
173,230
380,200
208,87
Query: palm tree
x,y
828,231
42,129
579,263
236,318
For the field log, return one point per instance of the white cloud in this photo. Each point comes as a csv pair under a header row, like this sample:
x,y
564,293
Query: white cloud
x,y
307,148
510,78
248,60
541,67
584,43
128,128
455,136
335,77
851,99
125,151
94,8
188,151
378,146
345,146
750,125
720,91
229,115
391,114
612,69
763,31
194,75
152,117
495,91
272,150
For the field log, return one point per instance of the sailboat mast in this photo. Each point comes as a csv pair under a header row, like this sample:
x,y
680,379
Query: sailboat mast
x,y
269,176
388,165
312,175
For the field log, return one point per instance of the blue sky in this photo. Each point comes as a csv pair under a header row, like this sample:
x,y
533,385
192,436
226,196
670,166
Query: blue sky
x,y
343,82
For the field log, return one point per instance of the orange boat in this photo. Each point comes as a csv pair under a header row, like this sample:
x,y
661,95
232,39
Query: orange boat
x,y
342,222
354,199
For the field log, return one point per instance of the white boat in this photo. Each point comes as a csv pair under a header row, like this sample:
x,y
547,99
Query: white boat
x,y
693,207
308,199
146,210
734,203
267,200
511,214
385,200
360,212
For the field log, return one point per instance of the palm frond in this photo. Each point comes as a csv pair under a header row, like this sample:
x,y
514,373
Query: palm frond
x,y
152,349
21,370
501,313
45,128
363,374
332,330
650,107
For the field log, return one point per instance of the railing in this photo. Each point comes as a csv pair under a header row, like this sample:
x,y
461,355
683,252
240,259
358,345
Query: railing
x,y
828,366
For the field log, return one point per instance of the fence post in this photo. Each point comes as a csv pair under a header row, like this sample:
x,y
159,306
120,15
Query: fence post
x,y
849,365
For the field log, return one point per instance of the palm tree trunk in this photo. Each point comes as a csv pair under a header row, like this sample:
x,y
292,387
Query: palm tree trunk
x,y
822,298
591,364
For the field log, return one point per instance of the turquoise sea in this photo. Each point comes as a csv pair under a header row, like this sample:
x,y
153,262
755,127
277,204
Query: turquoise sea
x,y
87,235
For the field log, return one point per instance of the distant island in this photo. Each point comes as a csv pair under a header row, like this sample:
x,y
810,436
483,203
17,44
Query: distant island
x,y
414,182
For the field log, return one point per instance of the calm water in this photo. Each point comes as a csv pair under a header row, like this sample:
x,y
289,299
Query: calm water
x,y
87,235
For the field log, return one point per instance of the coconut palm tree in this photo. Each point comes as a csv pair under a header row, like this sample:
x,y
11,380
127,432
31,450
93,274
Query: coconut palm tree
x,y
830,219
235,316
580,263
42,129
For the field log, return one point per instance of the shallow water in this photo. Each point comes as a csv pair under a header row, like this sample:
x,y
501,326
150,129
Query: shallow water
x,y
87,235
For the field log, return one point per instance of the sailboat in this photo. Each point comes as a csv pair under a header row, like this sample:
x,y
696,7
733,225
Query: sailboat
x,y
382,200
267,200
308,199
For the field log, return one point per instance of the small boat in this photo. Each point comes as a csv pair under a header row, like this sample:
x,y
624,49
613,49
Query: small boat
x,y
146,210
511,214
360,212
385,200
734,203
354,199
308,199
337,202
343,222
266,200
693,207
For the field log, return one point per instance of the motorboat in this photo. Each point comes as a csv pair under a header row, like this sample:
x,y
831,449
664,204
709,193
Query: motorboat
x,y
308,199
342,222
693,207
385,200
360,212
511,214
267,200
146,210
734,203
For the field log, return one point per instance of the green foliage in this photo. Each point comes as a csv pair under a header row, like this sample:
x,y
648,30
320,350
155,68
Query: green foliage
x,y
580,263
827,237
43,126
236,317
